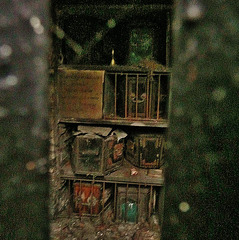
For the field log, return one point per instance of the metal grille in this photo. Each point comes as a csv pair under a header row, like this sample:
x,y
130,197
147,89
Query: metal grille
x,y
114,194
137,96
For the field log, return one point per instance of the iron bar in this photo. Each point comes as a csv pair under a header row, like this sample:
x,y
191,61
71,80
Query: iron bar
x,y
126,203
153,101
91,197
150,93
80,197
161,151
69,198
150,201
103,198
126,95
115,113
139,202
147,98
159,95
117,209
115,201
137,96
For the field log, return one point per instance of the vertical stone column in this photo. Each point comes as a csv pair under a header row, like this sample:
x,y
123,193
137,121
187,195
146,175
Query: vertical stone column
x,y
24,119
202,174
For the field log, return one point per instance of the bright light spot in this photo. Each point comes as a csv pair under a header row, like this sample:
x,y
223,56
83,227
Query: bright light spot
x,y
184,207
194,11
5,51
111,23
35,22
11,80
39,30
219,94
30,166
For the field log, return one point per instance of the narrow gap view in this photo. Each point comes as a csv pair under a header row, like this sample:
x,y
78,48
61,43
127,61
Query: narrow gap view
x,y
109,96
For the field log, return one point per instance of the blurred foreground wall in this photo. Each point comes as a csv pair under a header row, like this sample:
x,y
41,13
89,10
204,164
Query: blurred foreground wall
x,y
203,173
202,181
23,119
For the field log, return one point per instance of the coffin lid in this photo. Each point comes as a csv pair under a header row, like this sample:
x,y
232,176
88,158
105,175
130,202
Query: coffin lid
x,y
99,131
102,131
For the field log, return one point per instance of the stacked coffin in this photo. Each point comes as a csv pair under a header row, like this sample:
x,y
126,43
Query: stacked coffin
x,y
96,151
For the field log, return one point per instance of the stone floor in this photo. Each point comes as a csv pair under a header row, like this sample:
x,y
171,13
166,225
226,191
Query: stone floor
x,y
73,228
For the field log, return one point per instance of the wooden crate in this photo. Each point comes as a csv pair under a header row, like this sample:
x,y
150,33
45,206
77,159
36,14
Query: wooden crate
x,y
97,155
145,150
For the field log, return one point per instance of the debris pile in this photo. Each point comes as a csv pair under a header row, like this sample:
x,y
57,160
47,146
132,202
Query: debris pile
x,y
93,229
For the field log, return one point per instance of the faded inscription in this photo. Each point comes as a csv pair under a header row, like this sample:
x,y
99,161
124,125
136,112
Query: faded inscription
x,y
80,94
